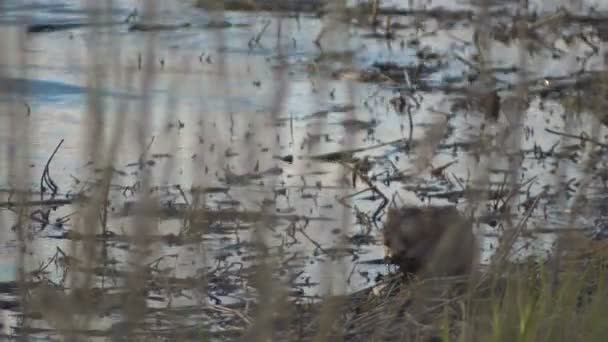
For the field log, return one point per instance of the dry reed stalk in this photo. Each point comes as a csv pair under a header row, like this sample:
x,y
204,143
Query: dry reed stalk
x,y
18,152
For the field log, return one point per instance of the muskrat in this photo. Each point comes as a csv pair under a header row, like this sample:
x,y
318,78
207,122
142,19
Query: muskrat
x,y
430,241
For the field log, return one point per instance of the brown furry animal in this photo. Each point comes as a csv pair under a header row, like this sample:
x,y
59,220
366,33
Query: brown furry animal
x,y
430,241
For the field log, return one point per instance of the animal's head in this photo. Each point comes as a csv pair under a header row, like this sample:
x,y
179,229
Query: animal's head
x,y
404,227
416,231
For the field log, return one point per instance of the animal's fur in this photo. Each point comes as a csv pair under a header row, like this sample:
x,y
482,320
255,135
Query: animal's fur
x,y
430,241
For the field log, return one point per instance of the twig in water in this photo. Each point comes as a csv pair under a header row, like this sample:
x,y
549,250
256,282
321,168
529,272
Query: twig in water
x,y
411,131
256,40
371,187
41,203
579,137
46,177
141,156
181,191
318,245
345,197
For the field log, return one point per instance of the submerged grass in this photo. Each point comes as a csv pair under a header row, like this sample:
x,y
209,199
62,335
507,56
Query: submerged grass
x,y
122,281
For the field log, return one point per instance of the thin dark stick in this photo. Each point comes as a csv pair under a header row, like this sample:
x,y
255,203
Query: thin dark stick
x,y
142,155
319,247
181,191
46,178
579,137
409,140
41,203
371,187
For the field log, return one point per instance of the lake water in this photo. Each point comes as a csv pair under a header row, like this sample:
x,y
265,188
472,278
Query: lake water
x,y
240,91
